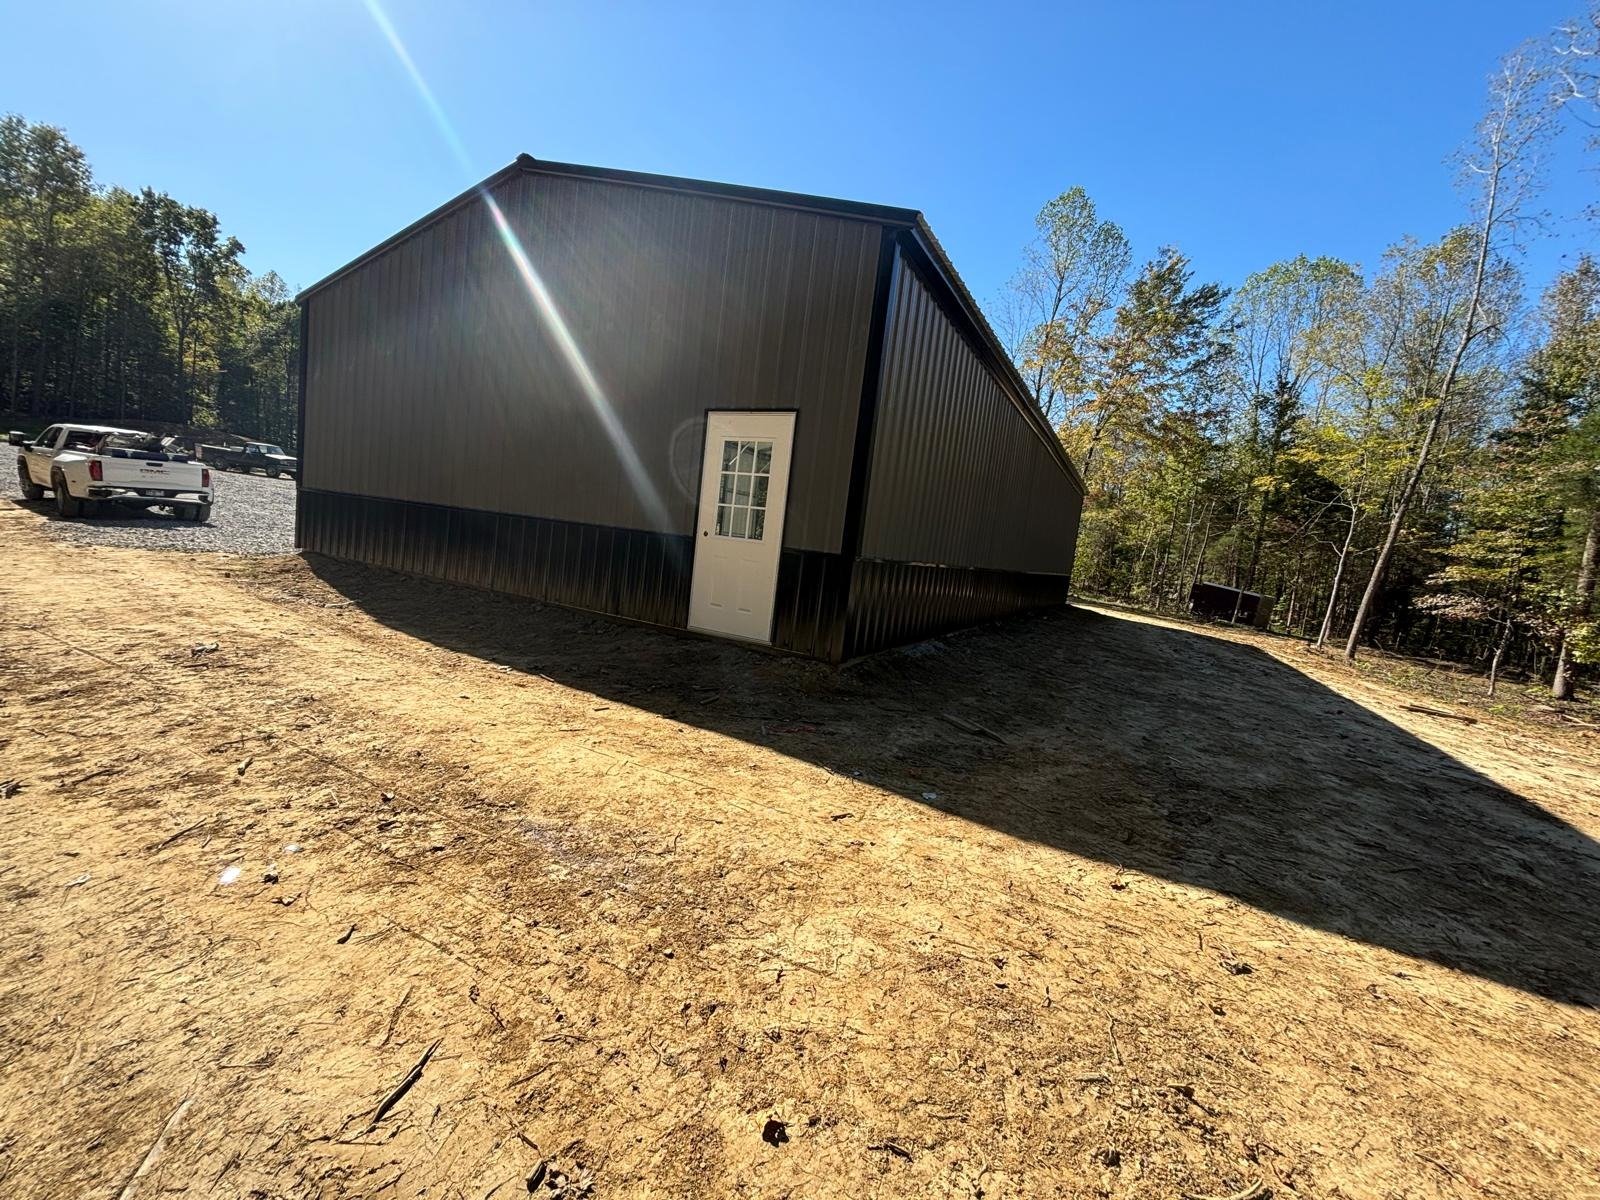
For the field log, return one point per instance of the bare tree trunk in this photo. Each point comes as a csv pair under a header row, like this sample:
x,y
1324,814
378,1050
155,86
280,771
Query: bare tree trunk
x,y
1233,569
182,396
102,358
1138,567
1396,523
1563,687
1102,418
40,370
1158,570
1502,149
1338,578
1057,299
122,362
1499,650
1255,546
14,382
1182,571
1205,544
73,352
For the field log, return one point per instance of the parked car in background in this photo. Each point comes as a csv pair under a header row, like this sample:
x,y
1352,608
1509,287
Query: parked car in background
x,y
90,466
270,460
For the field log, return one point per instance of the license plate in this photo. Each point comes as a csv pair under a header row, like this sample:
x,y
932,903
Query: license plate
x,y
151,492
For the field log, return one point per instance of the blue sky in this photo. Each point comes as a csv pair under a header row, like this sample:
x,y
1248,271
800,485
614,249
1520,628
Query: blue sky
x,y
1242,132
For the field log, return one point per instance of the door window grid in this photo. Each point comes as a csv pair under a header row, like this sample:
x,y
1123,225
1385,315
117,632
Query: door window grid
x,y
742,489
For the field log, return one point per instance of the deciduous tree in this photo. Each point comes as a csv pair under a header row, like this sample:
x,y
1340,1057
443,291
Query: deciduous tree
x,y
1503,168
1059,305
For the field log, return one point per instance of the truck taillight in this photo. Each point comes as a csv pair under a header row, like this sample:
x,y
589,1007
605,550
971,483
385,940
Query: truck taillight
x,y
205,477
96,471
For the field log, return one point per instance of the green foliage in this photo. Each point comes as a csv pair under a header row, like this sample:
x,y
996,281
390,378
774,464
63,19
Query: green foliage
x,y
1060,302
1260,441
1151,441
131,307
1584,641
1378,453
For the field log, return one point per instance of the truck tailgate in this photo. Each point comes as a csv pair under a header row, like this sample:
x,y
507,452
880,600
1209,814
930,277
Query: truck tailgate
x,y
143,473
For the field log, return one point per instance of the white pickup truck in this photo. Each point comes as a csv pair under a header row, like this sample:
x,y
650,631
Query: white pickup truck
x,y
90,466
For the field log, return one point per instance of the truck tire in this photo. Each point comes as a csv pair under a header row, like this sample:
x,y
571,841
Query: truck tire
x,y
200,513
66,504
30,489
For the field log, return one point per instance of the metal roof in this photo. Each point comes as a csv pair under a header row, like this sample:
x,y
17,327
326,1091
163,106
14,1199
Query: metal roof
x,y
907,219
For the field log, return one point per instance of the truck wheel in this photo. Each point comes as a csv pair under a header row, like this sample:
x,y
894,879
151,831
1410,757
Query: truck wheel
x,y
66,504
200,513
30,489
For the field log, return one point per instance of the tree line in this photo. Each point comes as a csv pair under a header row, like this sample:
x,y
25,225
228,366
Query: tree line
x,y
132,306
1406,455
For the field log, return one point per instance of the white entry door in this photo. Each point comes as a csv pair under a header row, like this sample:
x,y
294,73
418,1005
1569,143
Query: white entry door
x,y
744,485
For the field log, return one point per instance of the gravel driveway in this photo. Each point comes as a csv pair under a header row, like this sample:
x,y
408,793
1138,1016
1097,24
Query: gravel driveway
x,y
252,515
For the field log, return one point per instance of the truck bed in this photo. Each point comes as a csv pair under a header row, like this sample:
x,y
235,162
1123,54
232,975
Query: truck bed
x,y
146,472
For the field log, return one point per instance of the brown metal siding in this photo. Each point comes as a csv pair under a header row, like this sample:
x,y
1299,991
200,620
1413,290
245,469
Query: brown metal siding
x,y
892,603
960,477
433,377
624,572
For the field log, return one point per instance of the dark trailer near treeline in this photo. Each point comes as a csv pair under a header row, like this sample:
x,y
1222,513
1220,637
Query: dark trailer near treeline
x,y
1218,602
772,417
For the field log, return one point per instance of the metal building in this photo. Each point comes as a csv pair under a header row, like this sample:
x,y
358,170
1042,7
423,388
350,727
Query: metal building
x,y
767,416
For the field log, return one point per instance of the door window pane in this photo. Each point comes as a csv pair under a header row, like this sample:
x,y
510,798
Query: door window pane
x,y
742,489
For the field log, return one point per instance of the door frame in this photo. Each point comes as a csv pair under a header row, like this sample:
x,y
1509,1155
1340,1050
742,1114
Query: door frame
x,y
788,497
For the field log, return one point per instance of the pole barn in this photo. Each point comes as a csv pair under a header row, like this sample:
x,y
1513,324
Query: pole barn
x,y
758,415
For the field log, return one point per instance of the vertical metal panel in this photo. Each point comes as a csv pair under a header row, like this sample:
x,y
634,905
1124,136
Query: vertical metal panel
x,y
622,572
892,603
810,606
959,477
436,375
300,413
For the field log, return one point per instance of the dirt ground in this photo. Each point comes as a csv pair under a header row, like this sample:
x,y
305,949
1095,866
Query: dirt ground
x,y
1079,905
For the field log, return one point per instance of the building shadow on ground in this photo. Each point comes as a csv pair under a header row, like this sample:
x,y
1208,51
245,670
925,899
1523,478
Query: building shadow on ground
x,y
1200,760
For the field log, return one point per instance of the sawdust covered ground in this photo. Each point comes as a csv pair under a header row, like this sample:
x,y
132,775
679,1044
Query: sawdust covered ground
x,y
1082,905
